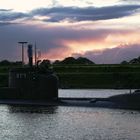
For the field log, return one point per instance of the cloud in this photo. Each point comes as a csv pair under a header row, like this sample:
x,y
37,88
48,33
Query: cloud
x,y
71,14
6,23
9,15
114,55
49,40
5,10
57,42
53,41
57,53
58,14
131,1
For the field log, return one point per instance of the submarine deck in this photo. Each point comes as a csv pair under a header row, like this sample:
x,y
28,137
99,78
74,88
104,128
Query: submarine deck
x,y
78,102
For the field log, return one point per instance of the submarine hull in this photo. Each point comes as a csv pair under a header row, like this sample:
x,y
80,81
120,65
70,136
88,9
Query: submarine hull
x,y
29,83
34,87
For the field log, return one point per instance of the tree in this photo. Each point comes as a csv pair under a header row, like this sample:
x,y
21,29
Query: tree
x,y
83,60
5,63
45,63
56,62
72,60
134,61
69,60
124,62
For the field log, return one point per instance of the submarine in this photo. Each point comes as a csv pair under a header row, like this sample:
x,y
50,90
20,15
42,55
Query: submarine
x,y
30,82
121,101
34,85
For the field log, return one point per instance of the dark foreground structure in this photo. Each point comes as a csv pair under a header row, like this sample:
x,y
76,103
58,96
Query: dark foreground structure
x,y
37,86
31,82
33,85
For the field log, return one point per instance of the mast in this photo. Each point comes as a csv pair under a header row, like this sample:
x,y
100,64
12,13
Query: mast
x,y
22,45
35,55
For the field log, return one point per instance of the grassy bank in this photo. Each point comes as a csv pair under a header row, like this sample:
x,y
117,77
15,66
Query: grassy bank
x,y
99,76
91,76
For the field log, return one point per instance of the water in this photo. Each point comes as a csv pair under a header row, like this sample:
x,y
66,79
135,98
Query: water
x,y
70,123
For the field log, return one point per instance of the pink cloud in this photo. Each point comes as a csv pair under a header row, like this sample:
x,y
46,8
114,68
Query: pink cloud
x,y
114,55
57,53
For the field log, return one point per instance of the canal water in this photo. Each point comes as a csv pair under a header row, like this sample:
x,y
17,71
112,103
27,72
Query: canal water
x,y
69,122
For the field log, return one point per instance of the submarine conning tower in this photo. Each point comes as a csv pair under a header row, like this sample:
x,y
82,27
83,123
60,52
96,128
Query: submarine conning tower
x,y
34,82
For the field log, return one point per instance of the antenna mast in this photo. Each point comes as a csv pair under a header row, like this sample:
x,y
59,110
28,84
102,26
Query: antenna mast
x,y
22,45
35,55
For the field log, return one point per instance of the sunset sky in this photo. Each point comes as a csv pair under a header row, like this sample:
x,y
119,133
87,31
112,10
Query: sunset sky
x,y
105,31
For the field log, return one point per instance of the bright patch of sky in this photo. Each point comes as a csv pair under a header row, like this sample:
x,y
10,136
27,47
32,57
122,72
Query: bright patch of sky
x,y
27,5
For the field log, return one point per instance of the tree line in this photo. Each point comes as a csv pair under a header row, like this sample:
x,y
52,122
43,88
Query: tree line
x,y
132,61
68,60
9,63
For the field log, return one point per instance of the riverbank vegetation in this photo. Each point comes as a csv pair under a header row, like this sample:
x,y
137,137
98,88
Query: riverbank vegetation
x,y
87,74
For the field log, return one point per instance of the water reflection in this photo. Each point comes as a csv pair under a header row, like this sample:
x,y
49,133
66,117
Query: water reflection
x,y
68,123
32,109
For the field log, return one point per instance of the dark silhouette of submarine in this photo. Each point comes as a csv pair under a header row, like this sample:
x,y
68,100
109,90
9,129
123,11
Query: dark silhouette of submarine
x,y
125,101
31,82
33,85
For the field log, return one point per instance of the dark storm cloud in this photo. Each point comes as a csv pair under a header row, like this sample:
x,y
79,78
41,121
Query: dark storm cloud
x,y
7,15
6,23
57,14
114,55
